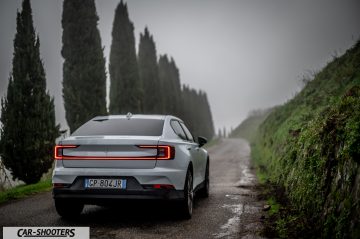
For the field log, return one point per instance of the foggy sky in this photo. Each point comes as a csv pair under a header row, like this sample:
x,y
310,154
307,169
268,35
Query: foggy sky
x,y
245,54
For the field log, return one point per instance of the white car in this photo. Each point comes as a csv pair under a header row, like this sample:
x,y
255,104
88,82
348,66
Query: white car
x,y
129,157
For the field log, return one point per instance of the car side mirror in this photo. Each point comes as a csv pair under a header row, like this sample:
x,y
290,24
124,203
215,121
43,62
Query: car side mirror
x,y
202,141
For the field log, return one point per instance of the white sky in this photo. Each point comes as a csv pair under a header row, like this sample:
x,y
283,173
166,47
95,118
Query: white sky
x,y
245,54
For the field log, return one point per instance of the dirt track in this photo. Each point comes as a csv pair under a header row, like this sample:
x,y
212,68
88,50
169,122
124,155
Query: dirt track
x,y
231,211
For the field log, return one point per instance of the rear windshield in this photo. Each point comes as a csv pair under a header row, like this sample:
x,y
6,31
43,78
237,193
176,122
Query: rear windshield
x,y
140,127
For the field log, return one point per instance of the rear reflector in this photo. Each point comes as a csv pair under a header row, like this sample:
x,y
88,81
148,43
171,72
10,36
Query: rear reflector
x,y
163,186
163,152
60,185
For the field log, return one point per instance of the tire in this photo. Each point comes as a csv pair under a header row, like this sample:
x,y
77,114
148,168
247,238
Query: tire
x,y
187,203
205,191
68,209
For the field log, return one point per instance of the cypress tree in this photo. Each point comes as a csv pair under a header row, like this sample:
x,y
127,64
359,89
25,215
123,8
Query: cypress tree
x,y
84,77
27,116
165,81
171,88
175,78
206,116
191,106
210,125
189,114
149,75
187,111
197,113
125,86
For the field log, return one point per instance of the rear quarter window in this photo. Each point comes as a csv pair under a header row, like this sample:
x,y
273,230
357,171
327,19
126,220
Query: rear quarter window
x,y
131,127
175,125
187,132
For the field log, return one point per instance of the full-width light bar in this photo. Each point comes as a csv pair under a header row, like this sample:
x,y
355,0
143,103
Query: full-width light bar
x,y
163,152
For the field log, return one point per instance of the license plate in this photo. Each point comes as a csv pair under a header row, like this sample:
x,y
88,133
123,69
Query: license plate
x,y
105,183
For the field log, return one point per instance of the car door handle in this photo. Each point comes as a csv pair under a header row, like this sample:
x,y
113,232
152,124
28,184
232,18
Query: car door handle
x,y
188,148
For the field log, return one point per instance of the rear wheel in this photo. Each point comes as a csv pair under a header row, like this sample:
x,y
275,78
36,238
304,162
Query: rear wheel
x,y
68,208
204,192
187,202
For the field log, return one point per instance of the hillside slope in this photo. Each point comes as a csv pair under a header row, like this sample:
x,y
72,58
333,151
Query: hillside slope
x,y
247,127
311,147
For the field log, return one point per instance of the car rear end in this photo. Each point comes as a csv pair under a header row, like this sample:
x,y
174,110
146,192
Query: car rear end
x,y
118,157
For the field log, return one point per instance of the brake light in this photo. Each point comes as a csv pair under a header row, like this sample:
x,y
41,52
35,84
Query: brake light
x,y
58,150
164,152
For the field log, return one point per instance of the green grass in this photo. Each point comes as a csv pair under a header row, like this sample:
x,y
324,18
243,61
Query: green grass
x,y
247,127
261,176
275,206
25,190
307,154
310,146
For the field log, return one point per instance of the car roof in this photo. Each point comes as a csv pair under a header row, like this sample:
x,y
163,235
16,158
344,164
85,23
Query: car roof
x,y
134,116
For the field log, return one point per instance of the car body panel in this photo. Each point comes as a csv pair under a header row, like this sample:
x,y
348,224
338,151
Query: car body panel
x,y
112,151
92,161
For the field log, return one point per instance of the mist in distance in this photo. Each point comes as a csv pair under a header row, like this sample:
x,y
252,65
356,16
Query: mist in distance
x,y
245,54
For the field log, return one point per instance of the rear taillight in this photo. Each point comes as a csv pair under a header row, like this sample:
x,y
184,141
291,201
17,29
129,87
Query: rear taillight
x,y
164,152
58,150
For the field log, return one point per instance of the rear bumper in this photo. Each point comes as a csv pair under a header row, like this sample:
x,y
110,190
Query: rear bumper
x,y
157,175
134,190
103,197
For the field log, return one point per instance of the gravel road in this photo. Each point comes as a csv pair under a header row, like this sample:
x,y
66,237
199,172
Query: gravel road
x,y
231,211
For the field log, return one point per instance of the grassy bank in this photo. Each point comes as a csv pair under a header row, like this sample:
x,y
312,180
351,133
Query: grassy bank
x,y
310,147
25,190
247,128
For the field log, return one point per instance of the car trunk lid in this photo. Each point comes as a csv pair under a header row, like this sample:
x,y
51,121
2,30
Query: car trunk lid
x,y
110,152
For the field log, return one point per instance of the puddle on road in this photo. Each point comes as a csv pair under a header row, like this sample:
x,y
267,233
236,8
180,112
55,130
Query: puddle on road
x,y
231,228
232,196
246,193
247,178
